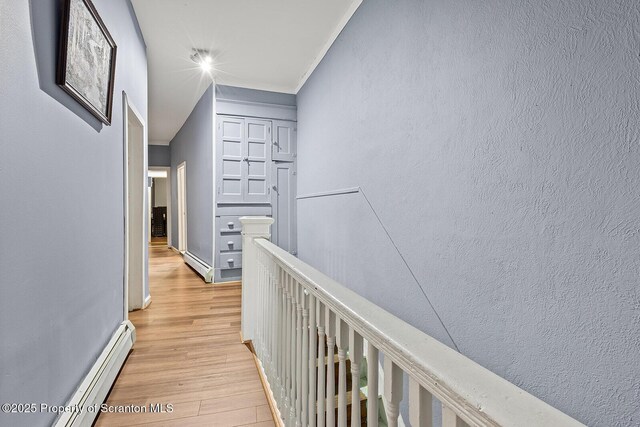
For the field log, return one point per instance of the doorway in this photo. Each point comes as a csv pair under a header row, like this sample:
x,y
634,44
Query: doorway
x,y
135,218
160,206
181,181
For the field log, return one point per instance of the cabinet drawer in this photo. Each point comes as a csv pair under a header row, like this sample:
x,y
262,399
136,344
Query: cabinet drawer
x,y
230,260
230,224
230,242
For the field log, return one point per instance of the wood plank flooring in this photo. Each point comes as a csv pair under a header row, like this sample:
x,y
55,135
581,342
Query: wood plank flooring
x,y
188,353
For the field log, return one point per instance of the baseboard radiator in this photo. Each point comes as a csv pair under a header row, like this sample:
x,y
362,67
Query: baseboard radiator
x,y
201,267
94,388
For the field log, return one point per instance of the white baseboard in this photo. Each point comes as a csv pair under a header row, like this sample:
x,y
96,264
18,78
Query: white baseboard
x,y
147,301
94,388
203,269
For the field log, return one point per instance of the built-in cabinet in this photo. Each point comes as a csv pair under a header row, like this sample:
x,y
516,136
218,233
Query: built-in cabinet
x,y
244,150
255,176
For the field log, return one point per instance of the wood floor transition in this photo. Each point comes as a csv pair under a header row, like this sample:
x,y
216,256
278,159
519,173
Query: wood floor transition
x,y
188,354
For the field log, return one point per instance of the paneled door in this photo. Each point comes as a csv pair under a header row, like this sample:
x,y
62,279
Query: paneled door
x,y
284,140
231,144
244,153
284,206
257,159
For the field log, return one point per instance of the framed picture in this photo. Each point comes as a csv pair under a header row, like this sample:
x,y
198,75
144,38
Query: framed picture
x,y
87,63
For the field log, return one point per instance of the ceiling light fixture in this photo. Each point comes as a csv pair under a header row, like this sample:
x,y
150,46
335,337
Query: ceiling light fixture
x,y
203,58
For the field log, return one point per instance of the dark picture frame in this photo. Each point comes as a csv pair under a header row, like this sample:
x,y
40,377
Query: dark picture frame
x,y
87,62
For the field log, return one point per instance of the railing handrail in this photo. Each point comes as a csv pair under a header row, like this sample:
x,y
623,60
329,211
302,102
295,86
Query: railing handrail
x,y
479,396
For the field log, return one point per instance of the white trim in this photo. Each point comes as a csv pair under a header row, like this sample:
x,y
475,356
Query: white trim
x,y
234,107
126,107
332,38
181,190
159,142
203,269
147,301
93,390
167,169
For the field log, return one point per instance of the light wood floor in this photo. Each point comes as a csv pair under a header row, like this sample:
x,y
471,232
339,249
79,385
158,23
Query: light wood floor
x,y
158,241
188,353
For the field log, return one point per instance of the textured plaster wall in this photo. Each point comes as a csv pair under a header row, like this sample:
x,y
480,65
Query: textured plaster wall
x,y
499,144
194,144
61,208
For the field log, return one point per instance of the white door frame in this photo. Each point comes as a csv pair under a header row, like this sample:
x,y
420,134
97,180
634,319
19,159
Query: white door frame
x,y
134,297
166,169
181,192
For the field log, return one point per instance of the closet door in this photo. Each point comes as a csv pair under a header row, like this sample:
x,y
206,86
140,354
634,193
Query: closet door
x,y
284,140
256,161
283,231
231,144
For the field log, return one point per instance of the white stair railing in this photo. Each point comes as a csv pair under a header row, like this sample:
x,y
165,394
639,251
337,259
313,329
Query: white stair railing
x,y
289,312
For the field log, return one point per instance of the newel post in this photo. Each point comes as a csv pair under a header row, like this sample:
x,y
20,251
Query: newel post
x,y
253,227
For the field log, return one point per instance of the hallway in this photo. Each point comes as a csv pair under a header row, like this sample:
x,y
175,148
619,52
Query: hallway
x,y
188,353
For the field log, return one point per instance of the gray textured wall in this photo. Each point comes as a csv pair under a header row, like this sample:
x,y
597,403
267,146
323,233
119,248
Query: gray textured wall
x,y
498,142
61,208
194,144
159,155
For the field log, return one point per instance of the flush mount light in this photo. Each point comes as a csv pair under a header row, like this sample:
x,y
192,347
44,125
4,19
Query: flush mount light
x,y
203,58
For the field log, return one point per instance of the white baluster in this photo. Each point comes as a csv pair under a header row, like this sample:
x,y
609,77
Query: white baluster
x,y
277,386
420,412
258,343
305,358
266,323
273,320
294,344
330,328
269,311
355,355
288,342
342,340
298,355
313,335
282,325
273,301
392,391
263,310
272,323
372,386
321,365
450,418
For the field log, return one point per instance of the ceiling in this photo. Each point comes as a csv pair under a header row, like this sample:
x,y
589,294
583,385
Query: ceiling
x,y
260,44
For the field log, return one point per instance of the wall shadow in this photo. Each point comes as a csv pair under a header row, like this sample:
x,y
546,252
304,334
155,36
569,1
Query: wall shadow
x,y
46,16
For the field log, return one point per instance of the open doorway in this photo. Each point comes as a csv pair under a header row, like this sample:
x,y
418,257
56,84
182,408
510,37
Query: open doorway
x,y
160,206
181,181
135,215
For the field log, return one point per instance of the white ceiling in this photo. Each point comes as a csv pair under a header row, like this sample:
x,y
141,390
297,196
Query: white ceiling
x,y
261,44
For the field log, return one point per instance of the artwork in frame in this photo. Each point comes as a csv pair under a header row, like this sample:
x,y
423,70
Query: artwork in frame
x,y
87,64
